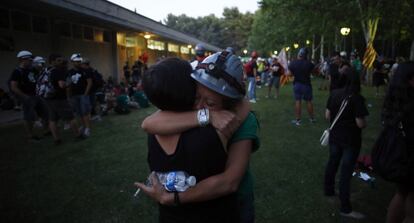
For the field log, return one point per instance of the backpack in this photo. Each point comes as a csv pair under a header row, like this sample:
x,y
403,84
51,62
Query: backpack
x,y
390,155
248,67
44,86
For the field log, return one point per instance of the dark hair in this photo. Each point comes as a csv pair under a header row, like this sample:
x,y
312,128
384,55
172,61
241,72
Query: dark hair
x,y
399,98
53,57
169,86
351,81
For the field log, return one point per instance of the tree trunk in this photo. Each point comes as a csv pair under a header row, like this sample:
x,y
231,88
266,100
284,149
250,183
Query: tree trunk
x,y
336,41
322,45
313,47
412,50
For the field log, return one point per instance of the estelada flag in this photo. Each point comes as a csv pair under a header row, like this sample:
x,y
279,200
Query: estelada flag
x,y
282,59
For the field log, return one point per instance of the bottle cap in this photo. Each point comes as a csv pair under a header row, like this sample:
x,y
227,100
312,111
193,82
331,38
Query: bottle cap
x,y
191,181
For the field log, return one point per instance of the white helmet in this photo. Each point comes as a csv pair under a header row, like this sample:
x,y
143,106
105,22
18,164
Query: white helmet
x,y
24,54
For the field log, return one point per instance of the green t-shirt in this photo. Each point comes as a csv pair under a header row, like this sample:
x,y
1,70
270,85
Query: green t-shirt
x,y
247,131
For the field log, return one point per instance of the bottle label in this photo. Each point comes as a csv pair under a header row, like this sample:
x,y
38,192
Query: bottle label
x,y
170,181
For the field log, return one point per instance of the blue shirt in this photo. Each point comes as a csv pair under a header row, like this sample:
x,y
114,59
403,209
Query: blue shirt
x,y
301,70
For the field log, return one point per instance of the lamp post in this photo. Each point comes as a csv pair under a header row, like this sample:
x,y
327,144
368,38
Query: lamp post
x,y
245,52
345,32
295,45
275,52
307,42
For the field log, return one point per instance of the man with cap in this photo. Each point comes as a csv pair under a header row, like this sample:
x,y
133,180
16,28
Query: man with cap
x,y
250,68
81,85
23,84
200,51
301,70
39,69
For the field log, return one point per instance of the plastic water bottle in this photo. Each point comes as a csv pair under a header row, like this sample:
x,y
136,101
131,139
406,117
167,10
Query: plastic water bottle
x,y
176,180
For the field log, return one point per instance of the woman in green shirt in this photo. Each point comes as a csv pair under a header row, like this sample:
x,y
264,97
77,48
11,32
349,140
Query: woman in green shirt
x,y
221,92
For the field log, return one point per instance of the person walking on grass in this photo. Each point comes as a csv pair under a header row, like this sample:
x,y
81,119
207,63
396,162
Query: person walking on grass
x,y
301,70
23,84
250,69
80,87
276,71
345,138
56,95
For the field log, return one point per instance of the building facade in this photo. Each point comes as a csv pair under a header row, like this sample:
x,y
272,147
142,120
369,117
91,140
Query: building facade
x,y
106,33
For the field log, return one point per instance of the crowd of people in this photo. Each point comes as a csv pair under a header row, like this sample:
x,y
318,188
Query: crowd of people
x,y
75,93
207,128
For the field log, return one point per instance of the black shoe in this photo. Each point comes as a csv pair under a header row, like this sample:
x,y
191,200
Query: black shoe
x,y
57,142
34,139
80,137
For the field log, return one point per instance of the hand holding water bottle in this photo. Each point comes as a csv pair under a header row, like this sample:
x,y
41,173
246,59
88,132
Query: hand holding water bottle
x,y
159,185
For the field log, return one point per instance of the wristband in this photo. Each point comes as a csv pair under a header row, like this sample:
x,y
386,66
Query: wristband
x,y
203,117
176,199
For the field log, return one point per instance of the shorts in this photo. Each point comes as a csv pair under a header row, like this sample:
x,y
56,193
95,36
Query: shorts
x,y
275,81
42,109
81,104
302,91
29,108
59,109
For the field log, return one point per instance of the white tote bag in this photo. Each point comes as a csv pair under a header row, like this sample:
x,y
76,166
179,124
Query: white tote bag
x,y
325,135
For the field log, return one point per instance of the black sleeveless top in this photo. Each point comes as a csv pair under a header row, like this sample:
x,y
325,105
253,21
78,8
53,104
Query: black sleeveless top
x,y
200,153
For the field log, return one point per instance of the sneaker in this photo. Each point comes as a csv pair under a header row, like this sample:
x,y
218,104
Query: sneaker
x,y
66,126
87,132
353,214
252,101
296,122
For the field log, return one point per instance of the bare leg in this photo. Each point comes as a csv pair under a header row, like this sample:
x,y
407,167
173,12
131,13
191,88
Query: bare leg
x,y
298,109
310,108
29,129
53,129
396,209
75,128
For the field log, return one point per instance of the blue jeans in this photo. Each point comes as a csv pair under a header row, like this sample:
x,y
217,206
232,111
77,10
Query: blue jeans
x,y
349,156
251,90
263,78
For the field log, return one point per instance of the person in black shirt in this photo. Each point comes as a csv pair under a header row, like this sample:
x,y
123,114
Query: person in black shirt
x,y
333,72
23,85
399,107
57,98
137,71
345,138
198,151
127,72
80,87
276,70
301,70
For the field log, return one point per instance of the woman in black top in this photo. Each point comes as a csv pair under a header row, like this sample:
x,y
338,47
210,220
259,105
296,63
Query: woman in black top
x,y
345,138
197,151
399,106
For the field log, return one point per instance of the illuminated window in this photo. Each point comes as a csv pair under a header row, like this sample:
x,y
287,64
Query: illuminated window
x,y
98,35
155,45
173,48
184,50
192,51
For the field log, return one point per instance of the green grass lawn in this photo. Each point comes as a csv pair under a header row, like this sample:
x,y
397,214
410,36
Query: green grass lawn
x,y
92,180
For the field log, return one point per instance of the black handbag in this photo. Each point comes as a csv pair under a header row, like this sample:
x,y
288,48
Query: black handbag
x,y
390,156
